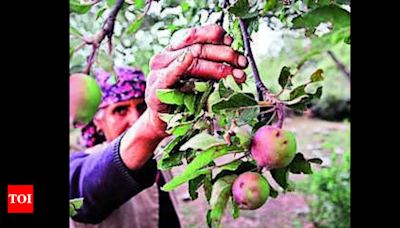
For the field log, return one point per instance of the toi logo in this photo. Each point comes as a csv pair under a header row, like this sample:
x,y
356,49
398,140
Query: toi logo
x,y
20,198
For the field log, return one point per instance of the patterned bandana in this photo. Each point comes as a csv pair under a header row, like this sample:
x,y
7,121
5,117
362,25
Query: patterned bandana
x,y
131,84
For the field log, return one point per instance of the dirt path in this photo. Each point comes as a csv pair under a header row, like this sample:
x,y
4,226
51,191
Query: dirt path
x,y
288,210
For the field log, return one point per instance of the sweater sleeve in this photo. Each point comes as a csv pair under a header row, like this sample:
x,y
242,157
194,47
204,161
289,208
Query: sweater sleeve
x,y
104,182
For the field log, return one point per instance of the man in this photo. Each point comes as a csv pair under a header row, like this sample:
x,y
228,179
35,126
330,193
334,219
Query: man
x,y
123,169
121,106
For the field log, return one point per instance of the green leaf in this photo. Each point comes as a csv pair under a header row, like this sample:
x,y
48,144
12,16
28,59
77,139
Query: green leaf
x,y
76,7
201,86
300,102
77,203
269,6
100,12
170,160
243,167
347,40
202,141
134,27
181,129
232,166
251,24
317,76
300,165
176,120
213,99
281,176
337,16
208,218
236,33
317,3
202,100
285,77
74,31
171,145
223,91
318,93
189,101
207,186
139,4
222,190
240,8
230,83
297,92
71,52
235,211
272,192
110,3
346,2
244,136
183,178
72,211
185,6
170,96
247,116
235,101
166,117
74,205
192,170
315,160
195,184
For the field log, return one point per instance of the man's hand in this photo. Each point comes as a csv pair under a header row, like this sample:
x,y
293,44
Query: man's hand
x,y
203,53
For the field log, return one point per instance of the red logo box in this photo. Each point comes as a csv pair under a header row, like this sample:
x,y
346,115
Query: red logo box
x,y
20,198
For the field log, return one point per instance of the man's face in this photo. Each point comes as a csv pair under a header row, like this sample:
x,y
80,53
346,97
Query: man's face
x,y
116,118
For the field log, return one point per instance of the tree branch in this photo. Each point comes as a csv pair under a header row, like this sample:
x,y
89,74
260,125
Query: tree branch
x,y
261,89
106,30
339,65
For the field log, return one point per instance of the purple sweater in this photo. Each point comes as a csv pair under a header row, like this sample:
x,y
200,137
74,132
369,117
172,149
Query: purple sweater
x,y
104,182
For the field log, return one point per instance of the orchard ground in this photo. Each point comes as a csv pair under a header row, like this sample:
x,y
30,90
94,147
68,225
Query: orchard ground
x,y
288,210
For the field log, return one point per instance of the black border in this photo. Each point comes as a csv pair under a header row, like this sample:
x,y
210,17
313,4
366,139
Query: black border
x,y
34,109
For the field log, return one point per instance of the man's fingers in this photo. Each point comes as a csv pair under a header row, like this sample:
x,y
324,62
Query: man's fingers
x,y
211,34
176,69
205,69
217,53
163,59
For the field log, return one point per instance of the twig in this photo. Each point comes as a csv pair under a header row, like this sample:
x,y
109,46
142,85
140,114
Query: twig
x,y
268,111
144,13
281,115
220,20
261,89
270,119
106,30
339,65
81,45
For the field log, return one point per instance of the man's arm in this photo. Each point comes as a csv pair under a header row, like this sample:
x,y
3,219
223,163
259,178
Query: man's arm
x,y
104,181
